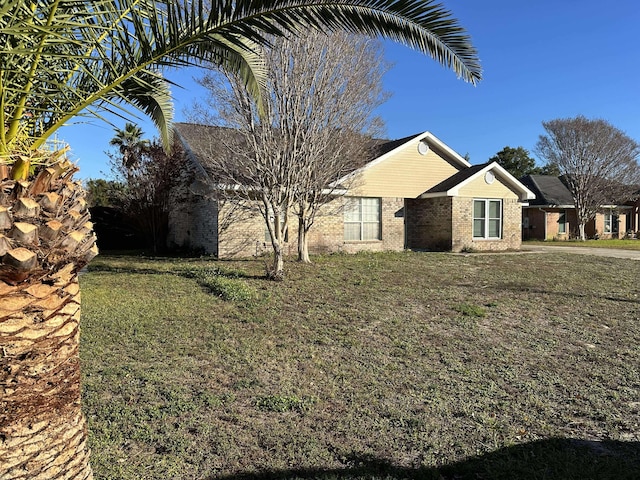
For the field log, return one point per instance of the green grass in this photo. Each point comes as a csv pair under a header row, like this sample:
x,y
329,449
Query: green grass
x,y
365,366
623,244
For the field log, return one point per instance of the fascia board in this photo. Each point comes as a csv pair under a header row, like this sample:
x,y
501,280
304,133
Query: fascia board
x,y
525,193
549,205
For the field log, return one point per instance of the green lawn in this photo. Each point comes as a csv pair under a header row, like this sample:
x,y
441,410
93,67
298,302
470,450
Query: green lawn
x,y
385,366
631,244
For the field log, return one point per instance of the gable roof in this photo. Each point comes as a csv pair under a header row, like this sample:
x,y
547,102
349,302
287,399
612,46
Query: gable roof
x,y
549,191
199,142
388,149
452,185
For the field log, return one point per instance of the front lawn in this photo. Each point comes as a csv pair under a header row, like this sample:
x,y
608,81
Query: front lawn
x,y
366,366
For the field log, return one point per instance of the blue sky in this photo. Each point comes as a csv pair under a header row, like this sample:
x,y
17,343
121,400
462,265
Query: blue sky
x,y
541,60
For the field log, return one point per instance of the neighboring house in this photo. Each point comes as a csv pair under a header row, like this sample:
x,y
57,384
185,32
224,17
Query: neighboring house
x,y
552,215
633,217
414,193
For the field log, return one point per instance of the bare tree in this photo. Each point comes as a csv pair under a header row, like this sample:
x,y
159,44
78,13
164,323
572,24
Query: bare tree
x,y
316,124
328,96
598,162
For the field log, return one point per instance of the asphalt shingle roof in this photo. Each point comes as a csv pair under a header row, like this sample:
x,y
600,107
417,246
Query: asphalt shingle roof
x,y
549,190
456,179
200,139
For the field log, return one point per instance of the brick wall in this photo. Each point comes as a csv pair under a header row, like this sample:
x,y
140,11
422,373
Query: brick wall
x,y
544,224
443,223
193,220
246,236
462,226
429,223
618,230
327,233
537,230
245,232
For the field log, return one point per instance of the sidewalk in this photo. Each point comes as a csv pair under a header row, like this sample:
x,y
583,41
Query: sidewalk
x,y
598,252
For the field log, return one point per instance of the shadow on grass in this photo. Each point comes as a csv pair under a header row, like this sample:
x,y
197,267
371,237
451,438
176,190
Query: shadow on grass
x,y
179,271
551,459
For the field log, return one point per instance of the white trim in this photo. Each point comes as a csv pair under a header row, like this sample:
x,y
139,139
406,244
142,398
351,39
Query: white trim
x,y
411,143
487,219
550,205
361,222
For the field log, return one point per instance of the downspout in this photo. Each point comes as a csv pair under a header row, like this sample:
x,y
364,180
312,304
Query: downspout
x,y
545,222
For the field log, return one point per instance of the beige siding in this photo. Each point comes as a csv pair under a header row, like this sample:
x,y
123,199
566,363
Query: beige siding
x,y
478,188
406,174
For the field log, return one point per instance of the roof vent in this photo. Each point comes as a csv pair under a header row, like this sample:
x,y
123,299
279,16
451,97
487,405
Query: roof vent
x,y
423,147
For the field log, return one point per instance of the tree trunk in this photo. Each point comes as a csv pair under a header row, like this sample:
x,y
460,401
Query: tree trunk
x,y
303,243
277,269
277,231
581,232
43,434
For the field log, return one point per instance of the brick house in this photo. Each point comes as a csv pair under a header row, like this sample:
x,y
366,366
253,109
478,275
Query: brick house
x,y
552,214
416,193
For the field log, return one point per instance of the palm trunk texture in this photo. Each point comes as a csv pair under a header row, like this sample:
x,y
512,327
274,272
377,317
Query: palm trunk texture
x,y
45,238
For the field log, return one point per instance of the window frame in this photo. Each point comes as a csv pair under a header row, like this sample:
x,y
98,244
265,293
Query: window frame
x,y
607,213
487,218
361,221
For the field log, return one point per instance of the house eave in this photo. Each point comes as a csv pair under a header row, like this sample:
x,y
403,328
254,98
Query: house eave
x,y
550,205
522,191
437,194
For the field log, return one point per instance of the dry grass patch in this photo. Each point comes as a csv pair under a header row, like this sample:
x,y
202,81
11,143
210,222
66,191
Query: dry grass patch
x,y
365,366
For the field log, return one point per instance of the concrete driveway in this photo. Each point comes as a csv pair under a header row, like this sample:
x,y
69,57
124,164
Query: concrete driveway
x,y
598,252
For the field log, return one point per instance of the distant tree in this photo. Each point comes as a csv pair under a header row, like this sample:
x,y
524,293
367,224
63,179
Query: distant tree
x,y
145,190
598,162
549,169
102,193
130,144
516,161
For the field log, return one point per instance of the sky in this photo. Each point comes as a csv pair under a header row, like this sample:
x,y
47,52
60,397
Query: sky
x,y
541,60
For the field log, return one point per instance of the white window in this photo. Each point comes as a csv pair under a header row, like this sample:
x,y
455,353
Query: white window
x,y
487,219
362,218
562,221
607,221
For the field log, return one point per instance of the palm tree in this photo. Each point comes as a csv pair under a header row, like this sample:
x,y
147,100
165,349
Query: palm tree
x,y
130,144
62,59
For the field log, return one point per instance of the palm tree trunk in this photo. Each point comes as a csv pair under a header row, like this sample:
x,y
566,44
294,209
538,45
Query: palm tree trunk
x,y
43,432
46,238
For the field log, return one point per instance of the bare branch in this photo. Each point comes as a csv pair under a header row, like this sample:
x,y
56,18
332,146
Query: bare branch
x,y
316,126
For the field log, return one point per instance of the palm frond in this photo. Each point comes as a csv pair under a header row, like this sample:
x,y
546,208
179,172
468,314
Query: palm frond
x,y
65,58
